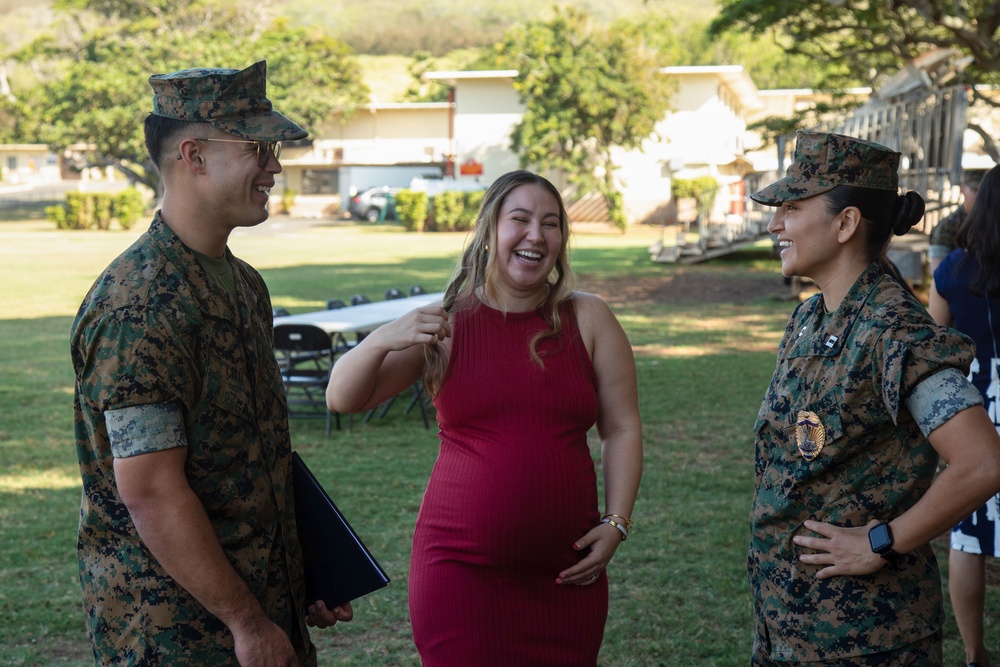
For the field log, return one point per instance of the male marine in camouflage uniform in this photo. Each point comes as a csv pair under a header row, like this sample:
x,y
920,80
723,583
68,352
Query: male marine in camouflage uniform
x,y
187,545
842,439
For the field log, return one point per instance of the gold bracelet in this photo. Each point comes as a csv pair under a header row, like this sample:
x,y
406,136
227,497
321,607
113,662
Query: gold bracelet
x,y
626,521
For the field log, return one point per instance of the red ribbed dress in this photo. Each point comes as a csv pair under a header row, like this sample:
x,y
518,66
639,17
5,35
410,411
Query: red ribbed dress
x,y
513,488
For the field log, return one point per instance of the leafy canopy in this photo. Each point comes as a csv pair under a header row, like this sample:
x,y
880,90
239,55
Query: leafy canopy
x,y
586,89
870,39
93,67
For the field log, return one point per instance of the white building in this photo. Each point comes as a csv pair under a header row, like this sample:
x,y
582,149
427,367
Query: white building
x,y
468,139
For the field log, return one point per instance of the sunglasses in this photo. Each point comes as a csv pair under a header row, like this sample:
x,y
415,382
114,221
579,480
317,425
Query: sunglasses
x,y
265,149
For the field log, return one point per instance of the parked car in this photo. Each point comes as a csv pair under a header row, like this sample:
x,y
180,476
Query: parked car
x,y
368,204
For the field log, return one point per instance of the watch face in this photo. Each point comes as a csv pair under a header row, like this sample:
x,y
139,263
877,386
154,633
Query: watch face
x,y
880,538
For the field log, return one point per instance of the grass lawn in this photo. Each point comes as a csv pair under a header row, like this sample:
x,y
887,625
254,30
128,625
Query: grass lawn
x,y
678,589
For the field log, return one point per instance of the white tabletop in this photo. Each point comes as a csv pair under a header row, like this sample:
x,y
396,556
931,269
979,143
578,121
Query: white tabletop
x,y
363,317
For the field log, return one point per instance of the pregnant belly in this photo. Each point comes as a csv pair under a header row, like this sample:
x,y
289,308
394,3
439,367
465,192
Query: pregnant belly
x,y
515,510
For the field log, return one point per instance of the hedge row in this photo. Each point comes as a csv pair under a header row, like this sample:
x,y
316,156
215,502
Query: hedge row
x,y
96,210
448,211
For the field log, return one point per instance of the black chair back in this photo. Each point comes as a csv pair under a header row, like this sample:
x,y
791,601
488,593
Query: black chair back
x,y
334,304
305,356
393,293
416,290
359,299
300,338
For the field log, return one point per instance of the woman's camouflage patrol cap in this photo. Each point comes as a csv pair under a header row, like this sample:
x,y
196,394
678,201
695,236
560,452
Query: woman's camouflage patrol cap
x,y
232,100
823,161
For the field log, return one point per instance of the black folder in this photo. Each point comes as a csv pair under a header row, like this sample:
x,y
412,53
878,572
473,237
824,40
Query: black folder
x,y
338,566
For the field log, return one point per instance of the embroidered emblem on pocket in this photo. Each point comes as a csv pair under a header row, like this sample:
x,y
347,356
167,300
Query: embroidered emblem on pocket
x,y
810,436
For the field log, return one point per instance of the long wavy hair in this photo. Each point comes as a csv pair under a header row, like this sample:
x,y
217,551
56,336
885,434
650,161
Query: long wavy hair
x,y
980,235
476,275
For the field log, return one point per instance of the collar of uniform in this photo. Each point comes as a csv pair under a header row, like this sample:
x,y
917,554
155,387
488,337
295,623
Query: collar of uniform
x,y
185,261
826,339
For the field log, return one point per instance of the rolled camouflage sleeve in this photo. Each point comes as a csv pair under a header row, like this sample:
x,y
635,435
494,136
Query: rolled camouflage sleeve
x,y
142,429
940,397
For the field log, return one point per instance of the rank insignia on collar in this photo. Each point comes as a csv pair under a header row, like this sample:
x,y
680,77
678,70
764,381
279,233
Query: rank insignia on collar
x,y
810,436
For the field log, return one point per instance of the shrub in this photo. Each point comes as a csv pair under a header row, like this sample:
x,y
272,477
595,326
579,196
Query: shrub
x,y
128,206
97,210
703,189
411,209
287,200
101,207
448,206
79,210
470,201
57,214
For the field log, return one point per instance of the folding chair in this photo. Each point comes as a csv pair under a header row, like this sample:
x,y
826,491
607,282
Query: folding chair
x,y
417,388
357,300
340,344
418,397
308,356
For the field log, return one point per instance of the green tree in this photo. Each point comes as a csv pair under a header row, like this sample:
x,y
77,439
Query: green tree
x,y
94,64
586,89
685,40
870,41
420,89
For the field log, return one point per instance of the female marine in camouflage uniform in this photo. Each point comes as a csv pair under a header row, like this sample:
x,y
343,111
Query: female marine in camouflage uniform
x,y
868,393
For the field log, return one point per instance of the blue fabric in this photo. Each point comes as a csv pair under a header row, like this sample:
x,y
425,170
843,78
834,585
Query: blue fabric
x,y
952,279
979,533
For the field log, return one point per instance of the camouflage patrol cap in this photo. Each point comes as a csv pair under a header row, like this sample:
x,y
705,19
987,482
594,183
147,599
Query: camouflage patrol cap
x,y
235,101
822,161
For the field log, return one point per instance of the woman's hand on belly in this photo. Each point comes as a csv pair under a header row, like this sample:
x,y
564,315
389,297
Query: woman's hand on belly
x,y
603,541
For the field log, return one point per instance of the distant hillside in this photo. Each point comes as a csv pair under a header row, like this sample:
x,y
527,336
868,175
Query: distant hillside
x,y
402,27
386,33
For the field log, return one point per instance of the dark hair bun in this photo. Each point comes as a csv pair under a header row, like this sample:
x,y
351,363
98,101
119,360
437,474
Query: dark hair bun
x,y
909,210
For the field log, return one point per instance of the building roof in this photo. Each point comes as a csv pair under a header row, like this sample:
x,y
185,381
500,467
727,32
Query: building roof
x,y
734,76
407,106
454,75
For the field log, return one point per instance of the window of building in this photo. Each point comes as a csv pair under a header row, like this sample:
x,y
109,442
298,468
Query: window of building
x,y
320,182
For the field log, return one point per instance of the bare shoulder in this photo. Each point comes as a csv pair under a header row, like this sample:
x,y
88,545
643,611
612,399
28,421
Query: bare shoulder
x,y
590,307
596,321
602,334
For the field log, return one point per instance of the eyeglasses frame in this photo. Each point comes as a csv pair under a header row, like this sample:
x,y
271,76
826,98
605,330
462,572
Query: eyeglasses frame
x,y
263,156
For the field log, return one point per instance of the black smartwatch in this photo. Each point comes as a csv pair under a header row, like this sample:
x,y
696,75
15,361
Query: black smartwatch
x,y
880,539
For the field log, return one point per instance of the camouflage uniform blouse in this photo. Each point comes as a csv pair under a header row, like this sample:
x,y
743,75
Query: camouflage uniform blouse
x,y
853,370
155,334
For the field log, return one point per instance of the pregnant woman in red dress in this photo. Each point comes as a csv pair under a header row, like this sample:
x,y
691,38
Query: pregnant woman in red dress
x,y
510,548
